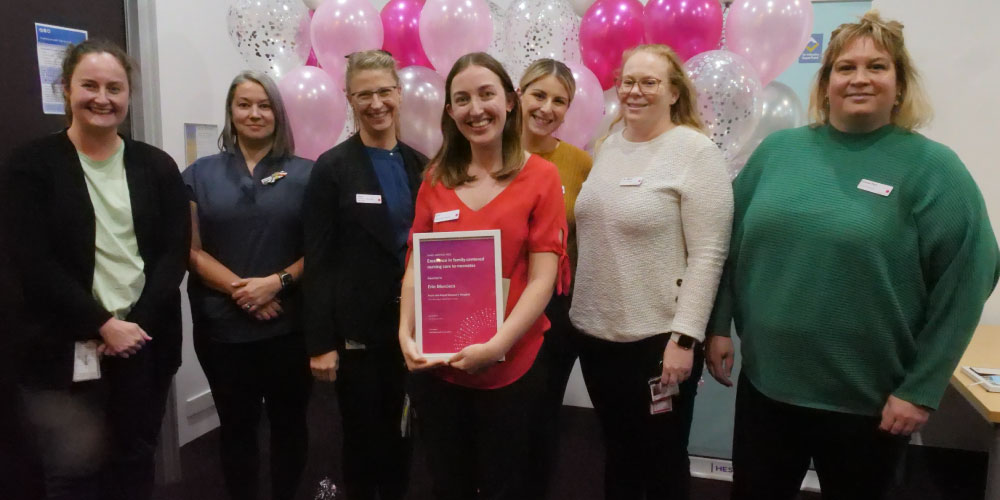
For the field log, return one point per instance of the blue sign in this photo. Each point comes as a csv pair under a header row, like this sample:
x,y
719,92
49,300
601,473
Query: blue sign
x,y
52,42
814,49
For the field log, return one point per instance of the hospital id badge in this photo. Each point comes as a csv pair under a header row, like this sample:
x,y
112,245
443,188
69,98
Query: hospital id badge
x,y
86,361
661,398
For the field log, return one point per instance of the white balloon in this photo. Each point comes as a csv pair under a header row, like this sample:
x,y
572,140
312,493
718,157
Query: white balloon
x,y
312,4
781,109
581,6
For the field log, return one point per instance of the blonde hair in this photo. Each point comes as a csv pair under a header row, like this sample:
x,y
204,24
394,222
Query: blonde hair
x,y
682,112
451,163
549,67
912,109
378,60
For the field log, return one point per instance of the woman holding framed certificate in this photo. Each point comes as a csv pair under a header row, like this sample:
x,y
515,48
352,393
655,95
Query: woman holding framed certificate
x,y
479,410
358,210
653,222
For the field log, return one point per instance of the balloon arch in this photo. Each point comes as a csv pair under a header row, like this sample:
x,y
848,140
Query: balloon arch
x,y
732,56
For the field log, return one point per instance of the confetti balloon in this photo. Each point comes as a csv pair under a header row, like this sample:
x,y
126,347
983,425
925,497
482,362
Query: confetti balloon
x,y
536,29
497,44
271,35
728,98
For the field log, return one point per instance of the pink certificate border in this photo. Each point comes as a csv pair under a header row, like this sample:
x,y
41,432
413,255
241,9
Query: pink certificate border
x,y
493,234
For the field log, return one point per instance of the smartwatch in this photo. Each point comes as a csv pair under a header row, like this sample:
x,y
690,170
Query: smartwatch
x,y
685,342
286,279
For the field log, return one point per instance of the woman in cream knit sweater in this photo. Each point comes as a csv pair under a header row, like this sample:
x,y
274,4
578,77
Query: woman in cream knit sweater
x,y
653,225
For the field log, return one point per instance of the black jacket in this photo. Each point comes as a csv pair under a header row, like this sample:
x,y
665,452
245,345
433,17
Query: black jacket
x,y
53,229
352,273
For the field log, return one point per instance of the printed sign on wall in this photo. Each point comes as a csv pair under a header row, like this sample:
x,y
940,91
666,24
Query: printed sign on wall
x,y
814,49
52,41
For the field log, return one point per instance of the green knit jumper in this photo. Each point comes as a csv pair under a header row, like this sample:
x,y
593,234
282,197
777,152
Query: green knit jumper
x,y
842,296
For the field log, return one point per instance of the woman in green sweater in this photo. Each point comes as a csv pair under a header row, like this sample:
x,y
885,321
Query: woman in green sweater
x,y
860,261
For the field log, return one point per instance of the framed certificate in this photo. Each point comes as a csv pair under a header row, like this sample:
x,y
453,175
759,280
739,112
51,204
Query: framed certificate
x,y
458,290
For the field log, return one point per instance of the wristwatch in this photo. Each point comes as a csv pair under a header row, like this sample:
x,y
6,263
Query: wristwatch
x,y
286,279
685,342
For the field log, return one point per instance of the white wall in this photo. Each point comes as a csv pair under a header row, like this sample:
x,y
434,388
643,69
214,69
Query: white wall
x,y
950,44
196,63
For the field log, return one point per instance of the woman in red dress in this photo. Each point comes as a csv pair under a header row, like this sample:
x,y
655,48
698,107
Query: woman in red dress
x,y
479,416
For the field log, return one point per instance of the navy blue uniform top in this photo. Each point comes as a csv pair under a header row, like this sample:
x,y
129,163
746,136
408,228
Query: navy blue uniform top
x,y
392,178
252,228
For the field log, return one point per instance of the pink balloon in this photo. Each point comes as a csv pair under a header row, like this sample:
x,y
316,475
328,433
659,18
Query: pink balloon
x,y
311,60
316,109
609,28
421,107
688,26
401,22
585,110
769,33
450,29
341,27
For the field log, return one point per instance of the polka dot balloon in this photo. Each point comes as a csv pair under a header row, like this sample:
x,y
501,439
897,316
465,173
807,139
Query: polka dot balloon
x,y
728,98
271,35
534,29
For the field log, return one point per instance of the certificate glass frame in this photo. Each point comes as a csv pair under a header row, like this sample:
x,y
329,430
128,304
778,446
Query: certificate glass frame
x,y
457,290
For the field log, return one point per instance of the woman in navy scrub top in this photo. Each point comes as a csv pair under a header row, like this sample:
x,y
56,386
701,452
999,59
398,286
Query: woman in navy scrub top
x,y
246,257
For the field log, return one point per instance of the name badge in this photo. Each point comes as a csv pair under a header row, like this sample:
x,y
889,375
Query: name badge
x,y
368,198
446,216
86,362
631,181
875,187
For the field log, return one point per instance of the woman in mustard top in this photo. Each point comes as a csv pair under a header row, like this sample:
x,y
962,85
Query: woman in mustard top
x,y
546,91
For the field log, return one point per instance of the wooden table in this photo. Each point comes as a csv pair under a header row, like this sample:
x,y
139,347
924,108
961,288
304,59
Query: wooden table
x,y
983,351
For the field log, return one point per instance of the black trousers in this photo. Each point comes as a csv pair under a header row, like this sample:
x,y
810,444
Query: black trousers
x,y
478,443
774,441
561,352
370,392
646,454
96,440
247,378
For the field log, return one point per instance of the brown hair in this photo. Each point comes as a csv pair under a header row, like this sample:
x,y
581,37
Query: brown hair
x,y
283,143
912,109
682,112
450,164
75,52
370,60
549,67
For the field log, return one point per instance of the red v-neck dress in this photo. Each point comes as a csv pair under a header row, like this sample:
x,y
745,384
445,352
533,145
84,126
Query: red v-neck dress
x,y
531,217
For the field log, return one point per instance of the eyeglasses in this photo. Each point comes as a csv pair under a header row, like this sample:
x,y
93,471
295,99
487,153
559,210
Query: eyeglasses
x,y
366,96
646,85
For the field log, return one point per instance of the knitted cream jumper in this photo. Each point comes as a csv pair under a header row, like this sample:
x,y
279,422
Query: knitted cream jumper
x,y
650,255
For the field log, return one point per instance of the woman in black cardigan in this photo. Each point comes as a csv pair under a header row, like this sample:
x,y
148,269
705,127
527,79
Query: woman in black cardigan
x,y
102,232
358,211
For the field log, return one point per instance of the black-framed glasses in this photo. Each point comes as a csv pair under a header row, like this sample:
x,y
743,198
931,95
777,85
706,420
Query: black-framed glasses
x,y
367,96
647,85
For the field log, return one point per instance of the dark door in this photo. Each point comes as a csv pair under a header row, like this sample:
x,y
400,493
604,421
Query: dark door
x,y
21,94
